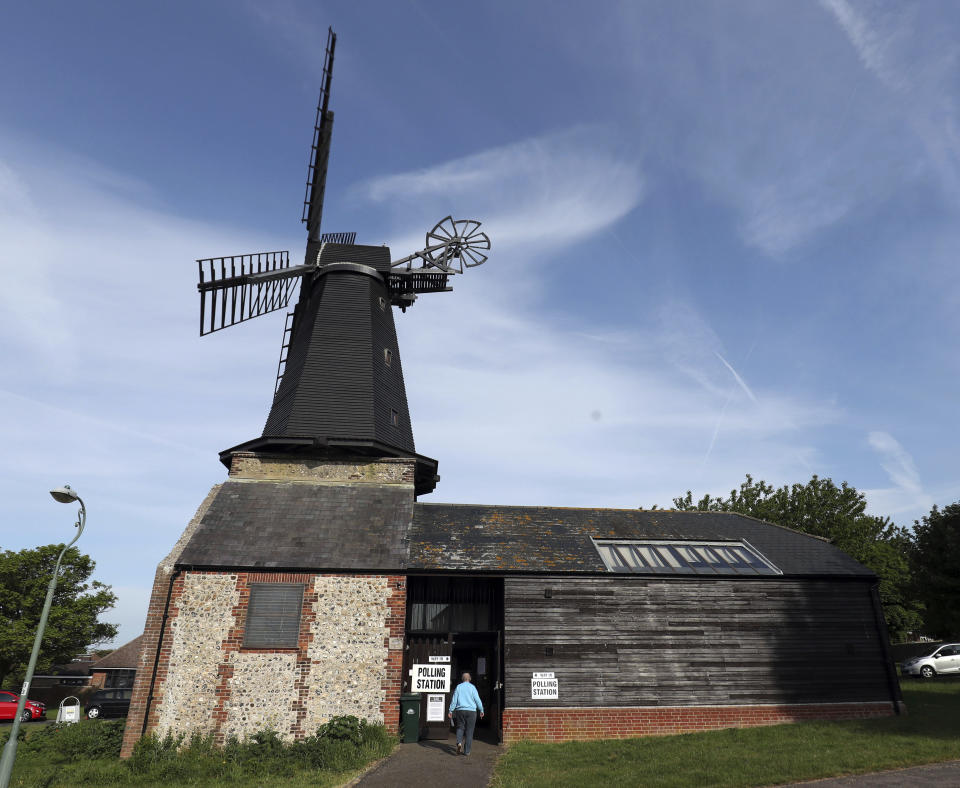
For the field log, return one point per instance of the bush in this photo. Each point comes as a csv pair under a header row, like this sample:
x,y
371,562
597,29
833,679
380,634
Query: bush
x,y
341,744
92,749
151,751
5,736
376,738
344,743
260,754
175,759
347,728
65,743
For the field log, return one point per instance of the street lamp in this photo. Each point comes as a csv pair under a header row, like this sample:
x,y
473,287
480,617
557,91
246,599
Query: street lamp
x,y
63,495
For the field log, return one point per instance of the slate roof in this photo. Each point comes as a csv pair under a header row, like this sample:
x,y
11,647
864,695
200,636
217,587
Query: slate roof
x,y
294,525
126,657
550,539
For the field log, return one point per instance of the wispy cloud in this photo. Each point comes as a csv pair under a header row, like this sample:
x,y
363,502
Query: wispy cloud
x,y
872,45
907,48
541,193
758,102
907,493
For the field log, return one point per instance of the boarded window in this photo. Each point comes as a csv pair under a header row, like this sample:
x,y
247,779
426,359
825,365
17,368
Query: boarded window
x,y
683,558
273,617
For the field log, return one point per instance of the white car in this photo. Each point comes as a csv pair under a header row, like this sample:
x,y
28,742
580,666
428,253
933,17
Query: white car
x,y
945,659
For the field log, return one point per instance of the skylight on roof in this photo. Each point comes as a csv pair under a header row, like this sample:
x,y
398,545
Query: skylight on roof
x,y
683,558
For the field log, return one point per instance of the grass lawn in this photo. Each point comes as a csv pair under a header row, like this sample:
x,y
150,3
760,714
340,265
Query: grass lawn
x,y
33,771
751,756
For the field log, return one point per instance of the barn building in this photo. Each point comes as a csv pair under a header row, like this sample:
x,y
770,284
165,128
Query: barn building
x,y
313,582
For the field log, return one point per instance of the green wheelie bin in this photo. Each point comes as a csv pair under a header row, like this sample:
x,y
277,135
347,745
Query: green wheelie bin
x,y
410,717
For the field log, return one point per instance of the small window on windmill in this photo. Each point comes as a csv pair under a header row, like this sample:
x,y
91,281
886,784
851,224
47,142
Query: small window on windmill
x,y
387,356
273,615
383,303
394,418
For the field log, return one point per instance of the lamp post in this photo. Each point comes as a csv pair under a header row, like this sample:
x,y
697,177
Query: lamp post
x,y
63,495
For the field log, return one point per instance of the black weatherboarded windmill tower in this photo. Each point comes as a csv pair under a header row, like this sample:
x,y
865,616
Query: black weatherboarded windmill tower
x,y
340,384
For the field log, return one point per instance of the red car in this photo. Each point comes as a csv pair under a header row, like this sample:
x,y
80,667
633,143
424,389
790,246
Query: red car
x,y
32,710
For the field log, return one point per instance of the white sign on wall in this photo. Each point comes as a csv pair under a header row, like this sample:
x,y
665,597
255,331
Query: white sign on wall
x,y
435,708
431,678
440,658
544,686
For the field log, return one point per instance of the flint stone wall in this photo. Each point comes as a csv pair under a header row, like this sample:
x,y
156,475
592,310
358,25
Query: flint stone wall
x,y
262,694
204,618
264,467
214,685
347,649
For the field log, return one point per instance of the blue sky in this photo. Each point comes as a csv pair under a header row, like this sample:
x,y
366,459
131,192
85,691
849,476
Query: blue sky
x,y
724,242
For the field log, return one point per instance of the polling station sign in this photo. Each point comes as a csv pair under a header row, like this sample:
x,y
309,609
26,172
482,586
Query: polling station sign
x,y
544,686
431,678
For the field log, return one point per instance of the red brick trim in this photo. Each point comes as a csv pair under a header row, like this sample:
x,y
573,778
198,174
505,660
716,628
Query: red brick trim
x,y
148,656
232,642
582,724
302,682
280,577
396,630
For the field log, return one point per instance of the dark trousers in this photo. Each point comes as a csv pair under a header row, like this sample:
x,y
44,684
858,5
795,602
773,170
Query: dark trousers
x,y
465,720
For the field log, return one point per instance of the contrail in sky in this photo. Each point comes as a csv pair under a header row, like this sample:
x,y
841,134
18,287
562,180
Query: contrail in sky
x,y
739,380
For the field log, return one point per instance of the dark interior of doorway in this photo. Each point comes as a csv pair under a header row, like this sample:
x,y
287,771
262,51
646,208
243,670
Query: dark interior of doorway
x,y
465,614
474,653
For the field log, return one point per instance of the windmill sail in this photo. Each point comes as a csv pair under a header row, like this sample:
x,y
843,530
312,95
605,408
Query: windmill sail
x,y
239,287
319,149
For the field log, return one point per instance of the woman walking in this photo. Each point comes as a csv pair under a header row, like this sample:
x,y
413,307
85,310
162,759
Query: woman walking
x,y
464,707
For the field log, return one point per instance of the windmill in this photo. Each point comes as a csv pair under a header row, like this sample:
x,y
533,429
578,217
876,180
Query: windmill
x,y
339,388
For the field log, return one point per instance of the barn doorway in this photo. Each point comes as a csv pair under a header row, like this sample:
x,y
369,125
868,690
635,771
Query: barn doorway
x,y
457,621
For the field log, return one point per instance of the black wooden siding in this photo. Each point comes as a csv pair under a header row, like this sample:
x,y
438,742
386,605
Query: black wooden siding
x,y
624,641
388,386
335,382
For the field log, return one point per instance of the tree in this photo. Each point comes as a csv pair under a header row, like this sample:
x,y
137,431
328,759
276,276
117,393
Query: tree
x,y
936,569
821,508
72,625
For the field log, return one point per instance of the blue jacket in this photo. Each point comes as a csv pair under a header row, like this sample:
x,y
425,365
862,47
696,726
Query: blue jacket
x,y
465,697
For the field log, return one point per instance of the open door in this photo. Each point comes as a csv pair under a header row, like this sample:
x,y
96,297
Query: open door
x,y
427,669
455,622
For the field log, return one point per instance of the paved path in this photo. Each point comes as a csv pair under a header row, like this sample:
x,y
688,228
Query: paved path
x,y
433,763
942,775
